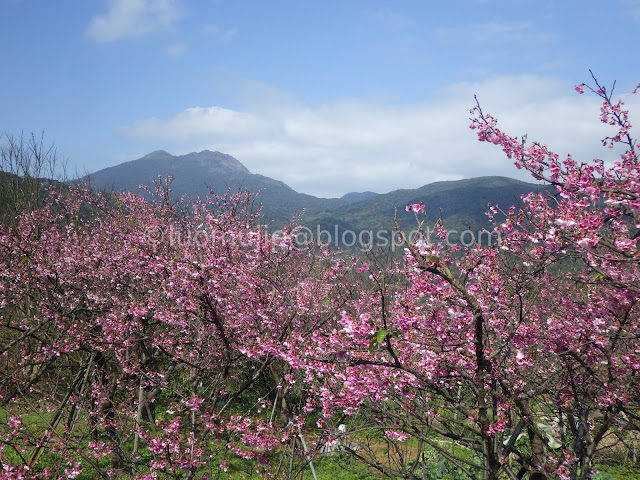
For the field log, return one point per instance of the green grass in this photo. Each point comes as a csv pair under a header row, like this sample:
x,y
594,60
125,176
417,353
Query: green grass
x,y
334,466
327,467
617,472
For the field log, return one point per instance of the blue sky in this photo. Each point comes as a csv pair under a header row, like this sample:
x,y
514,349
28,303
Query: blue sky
x,y
327,96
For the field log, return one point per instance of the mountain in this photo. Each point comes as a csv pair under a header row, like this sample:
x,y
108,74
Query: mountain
x,y
194,173
357,196
461,204
23,193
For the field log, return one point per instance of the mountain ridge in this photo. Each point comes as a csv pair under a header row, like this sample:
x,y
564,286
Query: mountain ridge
x,y
461,203
195,173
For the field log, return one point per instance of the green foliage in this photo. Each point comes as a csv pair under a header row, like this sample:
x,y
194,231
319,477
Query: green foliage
x,y
617,472
433,466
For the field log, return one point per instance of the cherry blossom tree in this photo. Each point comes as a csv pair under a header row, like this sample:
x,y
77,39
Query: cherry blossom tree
x,y
510,359
146,338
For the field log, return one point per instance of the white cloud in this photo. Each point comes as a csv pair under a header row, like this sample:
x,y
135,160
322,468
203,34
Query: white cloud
x,y
370,144
196,123
132,18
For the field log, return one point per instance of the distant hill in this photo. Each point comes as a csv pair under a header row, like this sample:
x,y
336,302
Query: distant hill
x,y
357,196
19,194
194,173
461,204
